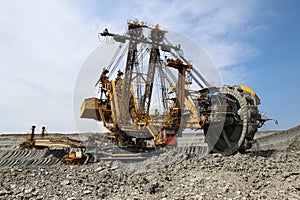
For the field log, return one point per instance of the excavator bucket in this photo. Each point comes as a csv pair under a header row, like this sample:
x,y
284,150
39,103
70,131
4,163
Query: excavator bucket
x,y
90,109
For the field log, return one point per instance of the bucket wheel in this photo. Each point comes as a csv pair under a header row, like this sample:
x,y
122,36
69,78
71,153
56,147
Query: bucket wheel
x,y
239,123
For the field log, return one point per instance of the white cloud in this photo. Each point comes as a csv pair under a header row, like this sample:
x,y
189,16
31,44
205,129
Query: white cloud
x,y
220,27
42,47
235,75
44,43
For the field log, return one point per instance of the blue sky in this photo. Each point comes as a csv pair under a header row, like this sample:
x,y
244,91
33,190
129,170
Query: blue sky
x,y
45,43
277,65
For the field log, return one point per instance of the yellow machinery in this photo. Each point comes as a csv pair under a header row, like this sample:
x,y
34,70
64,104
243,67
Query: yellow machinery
x,y
44,141
75,158
228,115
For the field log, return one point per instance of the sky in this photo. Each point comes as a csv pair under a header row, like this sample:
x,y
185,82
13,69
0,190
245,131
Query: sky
x,y
45,44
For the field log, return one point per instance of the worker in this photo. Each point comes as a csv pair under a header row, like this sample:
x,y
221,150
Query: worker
x,y
120,73
104,81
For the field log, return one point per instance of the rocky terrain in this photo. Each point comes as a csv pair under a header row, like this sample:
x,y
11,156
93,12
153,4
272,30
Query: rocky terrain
x,y
270,170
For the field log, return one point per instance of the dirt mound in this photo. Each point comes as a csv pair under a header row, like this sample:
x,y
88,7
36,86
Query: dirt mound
x,y
295,144
275,140
272,173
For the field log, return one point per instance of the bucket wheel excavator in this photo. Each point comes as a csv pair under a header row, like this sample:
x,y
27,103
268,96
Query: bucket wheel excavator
x,y
226,116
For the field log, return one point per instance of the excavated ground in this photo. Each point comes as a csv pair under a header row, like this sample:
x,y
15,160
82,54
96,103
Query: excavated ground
x,y
270,170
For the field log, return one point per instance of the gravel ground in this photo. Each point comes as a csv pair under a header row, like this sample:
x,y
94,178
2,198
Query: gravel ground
x,y
264,174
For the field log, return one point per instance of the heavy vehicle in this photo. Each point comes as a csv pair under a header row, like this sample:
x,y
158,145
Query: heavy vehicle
x,y
72,152
75,158
44,141
227,116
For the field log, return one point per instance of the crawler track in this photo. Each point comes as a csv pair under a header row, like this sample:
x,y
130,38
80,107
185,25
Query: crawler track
x,y
24,157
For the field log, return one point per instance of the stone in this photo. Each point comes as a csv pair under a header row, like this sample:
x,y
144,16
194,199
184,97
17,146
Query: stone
x,y
65,182
5,192
28,190
99,169
87,192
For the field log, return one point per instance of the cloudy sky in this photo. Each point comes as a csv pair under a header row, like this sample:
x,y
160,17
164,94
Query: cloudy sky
x,y
44,44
